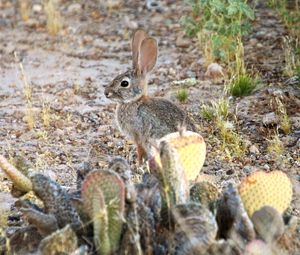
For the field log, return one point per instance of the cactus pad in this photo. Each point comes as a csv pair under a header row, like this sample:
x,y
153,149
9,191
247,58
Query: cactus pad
x,y
195,228
260,189
19,180
103,194
268,223
189,149
257,247
63,241
205,193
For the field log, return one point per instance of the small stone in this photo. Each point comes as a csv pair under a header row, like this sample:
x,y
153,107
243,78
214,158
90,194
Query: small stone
x,y
88,39
289,141
259,45
298,144
131,24
75,8
181,42
248,169
266,167
270,119
214,71
37,8
253,149
295,122
253,41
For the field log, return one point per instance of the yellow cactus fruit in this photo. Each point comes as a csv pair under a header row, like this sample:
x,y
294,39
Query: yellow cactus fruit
x,y
188,149
260,189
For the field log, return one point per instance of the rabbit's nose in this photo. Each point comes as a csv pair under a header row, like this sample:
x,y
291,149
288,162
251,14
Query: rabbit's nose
x,y
107,93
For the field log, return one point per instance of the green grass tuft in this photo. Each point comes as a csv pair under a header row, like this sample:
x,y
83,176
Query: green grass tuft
x,y
182,95
241,86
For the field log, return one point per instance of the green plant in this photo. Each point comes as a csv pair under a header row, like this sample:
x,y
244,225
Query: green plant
x,y
182,95
218,113
219,26
103,195
242,85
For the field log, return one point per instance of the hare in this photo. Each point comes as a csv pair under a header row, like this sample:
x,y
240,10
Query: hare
x,y
141,118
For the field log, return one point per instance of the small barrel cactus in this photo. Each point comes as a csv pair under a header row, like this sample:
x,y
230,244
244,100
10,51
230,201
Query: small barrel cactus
x,y
103,195
260,189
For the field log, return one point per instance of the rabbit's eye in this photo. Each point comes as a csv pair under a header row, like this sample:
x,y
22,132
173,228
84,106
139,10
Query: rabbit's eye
x,y
124,83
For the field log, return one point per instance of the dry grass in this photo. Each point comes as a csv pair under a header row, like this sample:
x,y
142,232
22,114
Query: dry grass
x,y
27,90
24,9
275,146
231,142
289,57
54,19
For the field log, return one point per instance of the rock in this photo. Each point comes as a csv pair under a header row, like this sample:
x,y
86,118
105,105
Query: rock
x,y
153,5
270,119
295,122
88,39
289,141
182,43
131,24
253,41
298,144
37,8
253,150
266,167
214,71
75,8
249,169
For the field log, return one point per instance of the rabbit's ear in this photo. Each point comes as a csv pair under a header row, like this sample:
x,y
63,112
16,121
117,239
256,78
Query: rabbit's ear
x,y
147,56
138,36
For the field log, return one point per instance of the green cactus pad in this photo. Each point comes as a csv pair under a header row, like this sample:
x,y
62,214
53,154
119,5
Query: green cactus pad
x,y
103,195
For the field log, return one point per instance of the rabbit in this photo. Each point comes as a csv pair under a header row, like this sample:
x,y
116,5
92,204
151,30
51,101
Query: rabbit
x,y
142,118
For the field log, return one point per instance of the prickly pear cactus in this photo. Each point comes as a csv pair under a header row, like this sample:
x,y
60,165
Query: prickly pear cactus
x,y
260,189
195,228
258,247
63,241
268,224
188,151
19,180
56,201
173,183
206,193
103,194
